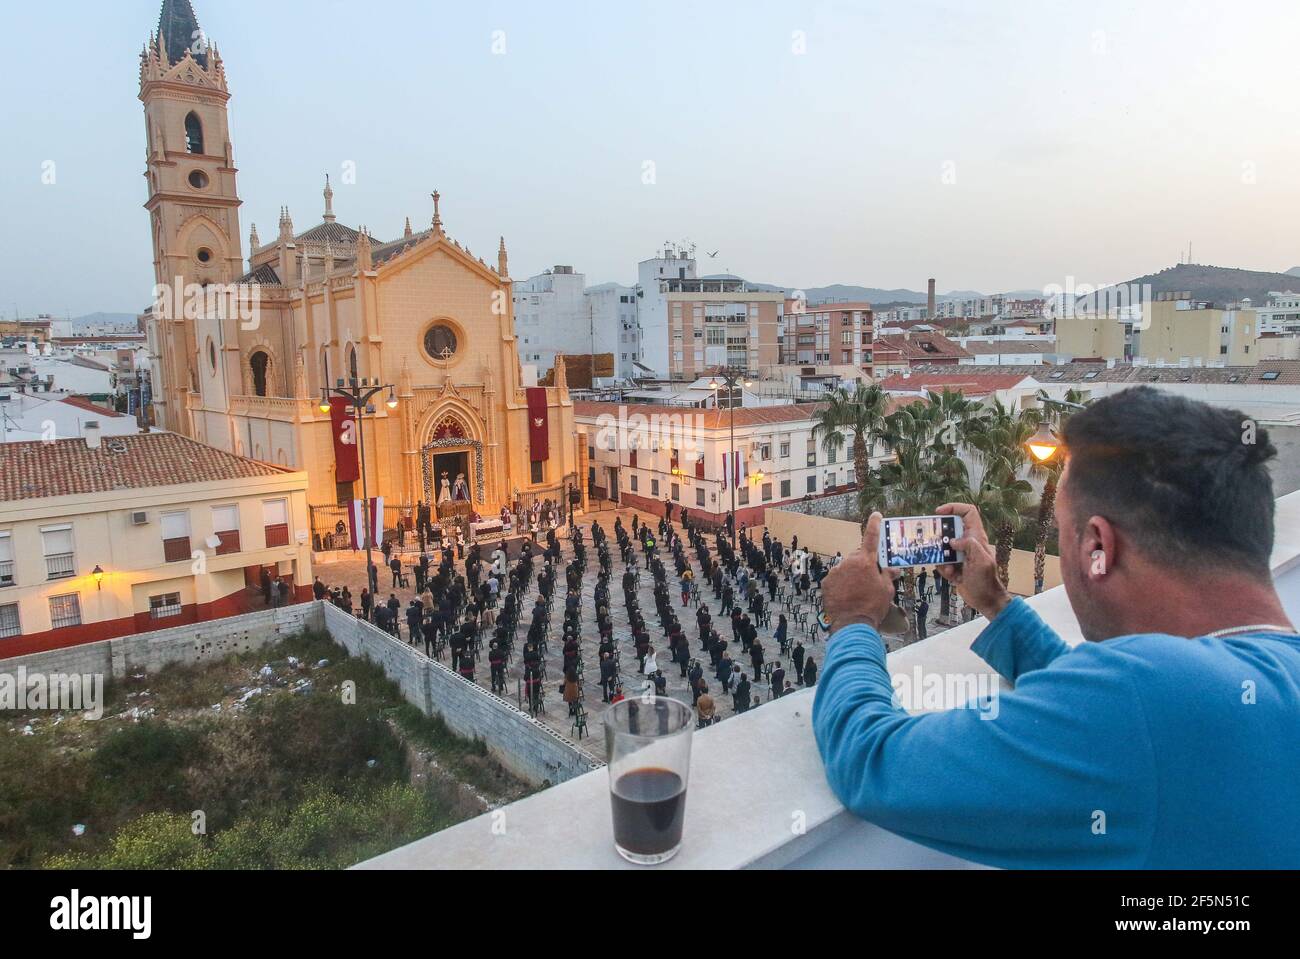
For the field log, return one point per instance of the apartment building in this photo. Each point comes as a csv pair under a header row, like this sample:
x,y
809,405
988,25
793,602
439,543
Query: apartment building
x,y
1173,328
641,455
614,314
837,334
900,352
691,325
1281,315
108,536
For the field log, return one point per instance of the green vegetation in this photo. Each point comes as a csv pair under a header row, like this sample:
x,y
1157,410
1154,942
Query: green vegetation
x,y
292,777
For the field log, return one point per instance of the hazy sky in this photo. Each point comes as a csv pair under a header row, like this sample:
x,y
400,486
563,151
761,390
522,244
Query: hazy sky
x,y
994,145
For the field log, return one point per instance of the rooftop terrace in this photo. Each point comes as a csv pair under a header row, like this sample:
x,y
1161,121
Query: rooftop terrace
x,y
757,797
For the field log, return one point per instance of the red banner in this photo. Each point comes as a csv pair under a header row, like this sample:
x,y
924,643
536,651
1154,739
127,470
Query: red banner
x,y
539,426
344,427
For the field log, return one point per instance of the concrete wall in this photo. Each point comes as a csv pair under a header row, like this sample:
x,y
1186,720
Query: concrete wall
x,y
821,534
524,746
198,642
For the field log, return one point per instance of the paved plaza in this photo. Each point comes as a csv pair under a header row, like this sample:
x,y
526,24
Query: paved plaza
x,y
802,618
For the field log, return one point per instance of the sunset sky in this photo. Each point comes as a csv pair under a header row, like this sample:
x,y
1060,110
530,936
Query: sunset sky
x,y
996,146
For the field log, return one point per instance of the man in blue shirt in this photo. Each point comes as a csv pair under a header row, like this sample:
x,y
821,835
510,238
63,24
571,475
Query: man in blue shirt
x,y
1170,739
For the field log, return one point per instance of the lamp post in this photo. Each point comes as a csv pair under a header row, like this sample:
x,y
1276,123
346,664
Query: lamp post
x,y
1044,444
359,393
1043,447
728,378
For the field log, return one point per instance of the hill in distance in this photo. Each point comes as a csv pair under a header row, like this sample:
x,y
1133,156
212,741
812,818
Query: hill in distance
x,y
102,319
842,292
1219,284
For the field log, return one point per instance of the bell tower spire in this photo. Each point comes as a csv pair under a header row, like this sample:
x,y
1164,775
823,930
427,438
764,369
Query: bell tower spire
x,y
329,201
193,200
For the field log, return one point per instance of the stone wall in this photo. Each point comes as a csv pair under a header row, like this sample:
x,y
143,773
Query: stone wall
x,y
837,506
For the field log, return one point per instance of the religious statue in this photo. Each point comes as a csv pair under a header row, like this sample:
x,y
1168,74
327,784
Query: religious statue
x,y
460,492
444,491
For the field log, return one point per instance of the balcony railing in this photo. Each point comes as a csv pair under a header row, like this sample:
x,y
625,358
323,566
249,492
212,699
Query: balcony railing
x,y
165,612
60,565
6,573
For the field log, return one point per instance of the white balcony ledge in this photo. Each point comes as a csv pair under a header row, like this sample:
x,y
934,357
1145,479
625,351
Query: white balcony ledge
x,y
754,779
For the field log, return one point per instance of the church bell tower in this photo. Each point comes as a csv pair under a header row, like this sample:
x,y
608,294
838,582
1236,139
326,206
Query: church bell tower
x,y
193,199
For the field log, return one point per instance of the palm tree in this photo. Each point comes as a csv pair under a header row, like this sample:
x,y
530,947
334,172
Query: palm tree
x,y
1000,444
861,414
1054,417
927,438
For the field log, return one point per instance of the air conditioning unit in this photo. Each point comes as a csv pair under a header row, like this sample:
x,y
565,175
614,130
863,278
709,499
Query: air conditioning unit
x,y
140,519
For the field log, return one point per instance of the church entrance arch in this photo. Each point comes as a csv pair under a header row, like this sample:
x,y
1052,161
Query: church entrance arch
x,y
452,467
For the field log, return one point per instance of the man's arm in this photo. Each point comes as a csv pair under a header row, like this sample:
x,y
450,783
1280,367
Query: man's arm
x,y
1017,641
1058,773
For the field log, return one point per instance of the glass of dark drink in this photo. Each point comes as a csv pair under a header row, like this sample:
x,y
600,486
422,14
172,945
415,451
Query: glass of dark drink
x,y
648,745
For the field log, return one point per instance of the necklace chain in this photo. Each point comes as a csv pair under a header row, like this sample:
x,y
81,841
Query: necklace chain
x,y
1257,628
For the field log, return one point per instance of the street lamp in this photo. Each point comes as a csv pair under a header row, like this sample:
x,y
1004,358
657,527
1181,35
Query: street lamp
x,y
731,377
359,393
98,573
1045,444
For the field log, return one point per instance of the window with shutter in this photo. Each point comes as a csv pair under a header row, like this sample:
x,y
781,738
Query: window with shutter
x,y
275,517
225,526
176,536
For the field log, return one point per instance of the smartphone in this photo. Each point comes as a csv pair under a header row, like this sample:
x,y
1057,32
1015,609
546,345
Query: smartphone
x,y
911,541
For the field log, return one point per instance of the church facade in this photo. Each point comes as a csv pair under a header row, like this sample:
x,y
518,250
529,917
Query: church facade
x,y
244,350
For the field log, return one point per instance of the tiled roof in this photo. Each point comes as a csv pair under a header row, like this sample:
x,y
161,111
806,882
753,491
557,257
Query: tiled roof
x,y
333,232
81,403
1024,345
1266,373
913,346
381,254
34,470
959,382
263,275
713,419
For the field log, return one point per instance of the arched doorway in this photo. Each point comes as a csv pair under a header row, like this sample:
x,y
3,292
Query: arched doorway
x,y
260,363
452,467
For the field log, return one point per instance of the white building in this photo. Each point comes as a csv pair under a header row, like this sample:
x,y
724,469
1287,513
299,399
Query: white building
x,y
1281,315
616,326
642,455
652,294
551,317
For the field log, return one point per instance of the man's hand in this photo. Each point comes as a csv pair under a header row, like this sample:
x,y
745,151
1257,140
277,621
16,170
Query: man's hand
x,y
858,590
976,579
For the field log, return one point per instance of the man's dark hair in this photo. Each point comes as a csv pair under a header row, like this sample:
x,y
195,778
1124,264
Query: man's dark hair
x,y
1186,480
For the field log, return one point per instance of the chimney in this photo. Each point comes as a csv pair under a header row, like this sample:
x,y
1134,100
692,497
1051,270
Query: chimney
x,y
91,433
930,301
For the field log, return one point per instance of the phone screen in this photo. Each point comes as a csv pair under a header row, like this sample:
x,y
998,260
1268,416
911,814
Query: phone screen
x,y
920,541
